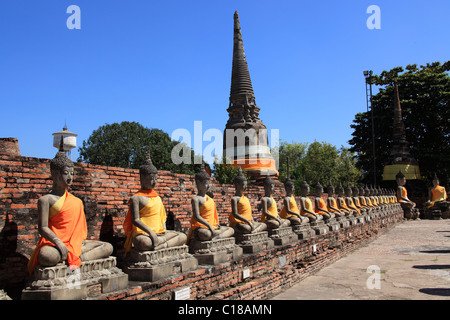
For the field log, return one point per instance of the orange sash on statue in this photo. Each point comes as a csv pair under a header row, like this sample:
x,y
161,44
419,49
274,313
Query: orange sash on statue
x,y
153,215
272,210
333,204
244,209
322,205
208,211
438,193
292,207
68,222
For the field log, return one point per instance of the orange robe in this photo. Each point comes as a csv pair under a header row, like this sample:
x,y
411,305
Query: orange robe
x,y
438,193
308,206
333,204
352,205
342,204
208,211
68,222
153,214
322,205
292,207
403,194
244,209
272,210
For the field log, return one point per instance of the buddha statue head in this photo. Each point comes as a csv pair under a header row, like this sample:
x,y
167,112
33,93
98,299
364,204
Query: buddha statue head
x,y
61,168
355,191
304,188
148,173
348,190
240,182
268,185
400,178
362,191
340,190
202,180
289,184
319,189
330,189
435,180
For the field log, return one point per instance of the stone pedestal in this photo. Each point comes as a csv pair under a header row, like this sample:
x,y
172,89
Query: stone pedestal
x,y
319,227
303,231
92,279
282,236
332,224
353,220
343,222
254,242
215,251
409,212
160,264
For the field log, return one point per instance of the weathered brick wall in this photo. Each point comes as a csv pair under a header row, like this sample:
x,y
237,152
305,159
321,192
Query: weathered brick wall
x,y
271,271
105,192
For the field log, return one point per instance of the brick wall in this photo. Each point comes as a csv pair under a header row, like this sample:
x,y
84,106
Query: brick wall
x,y
105,192
271,271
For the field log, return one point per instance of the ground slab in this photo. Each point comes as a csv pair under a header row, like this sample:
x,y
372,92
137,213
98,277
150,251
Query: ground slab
x,y
409,262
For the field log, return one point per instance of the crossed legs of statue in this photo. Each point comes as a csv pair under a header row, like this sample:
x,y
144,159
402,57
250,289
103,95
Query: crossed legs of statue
x,y
90,250
204,234
244,228
143,242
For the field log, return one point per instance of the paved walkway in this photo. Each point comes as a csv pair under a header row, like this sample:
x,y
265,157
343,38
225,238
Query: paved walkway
x,y
410,261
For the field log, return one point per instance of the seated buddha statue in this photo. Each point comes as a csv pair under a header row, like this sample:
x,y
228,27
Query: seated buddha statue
x,y
269,210
357,200
320,205
349,201
331,202
62,223
437,195
341,201
240,218
367,195
408,206
306,206
290,209
145,222
205,220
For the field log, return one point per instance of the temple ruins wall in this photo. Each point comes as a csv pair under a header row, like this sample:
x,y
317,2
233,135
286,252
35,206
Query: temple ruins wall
x,y
105,192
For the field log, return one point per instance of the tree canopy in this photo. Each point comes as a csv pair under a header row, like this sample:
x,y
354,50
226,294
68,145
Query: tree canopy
x,y
424,96
125,145
317,162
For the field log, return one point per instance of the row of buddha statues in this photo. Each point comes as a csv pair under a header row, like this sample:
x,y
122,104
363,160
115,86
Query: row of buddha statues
x,y
151,252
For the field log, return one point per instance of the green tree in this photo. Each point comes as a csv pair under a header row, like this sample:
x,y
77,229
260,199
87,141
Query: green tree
x,y
224,172
424,94
317,161
125,145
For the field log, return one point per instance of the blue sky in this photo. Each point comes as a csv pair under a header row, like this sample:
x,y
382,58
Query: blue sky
x,y
166,64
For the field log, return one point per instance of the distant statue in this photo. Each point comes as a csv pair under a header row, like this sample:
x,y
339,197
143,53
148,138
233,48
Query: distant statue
x,y
349,201
408,206
205,220
332,203
437,200
62,223
341,201
269,210
240,218
436,194
306,206
145,222
290,209
320,205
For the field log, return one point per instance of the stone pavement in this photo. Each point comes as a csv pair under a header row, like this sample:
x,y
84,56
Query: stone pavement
x,y
409,262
